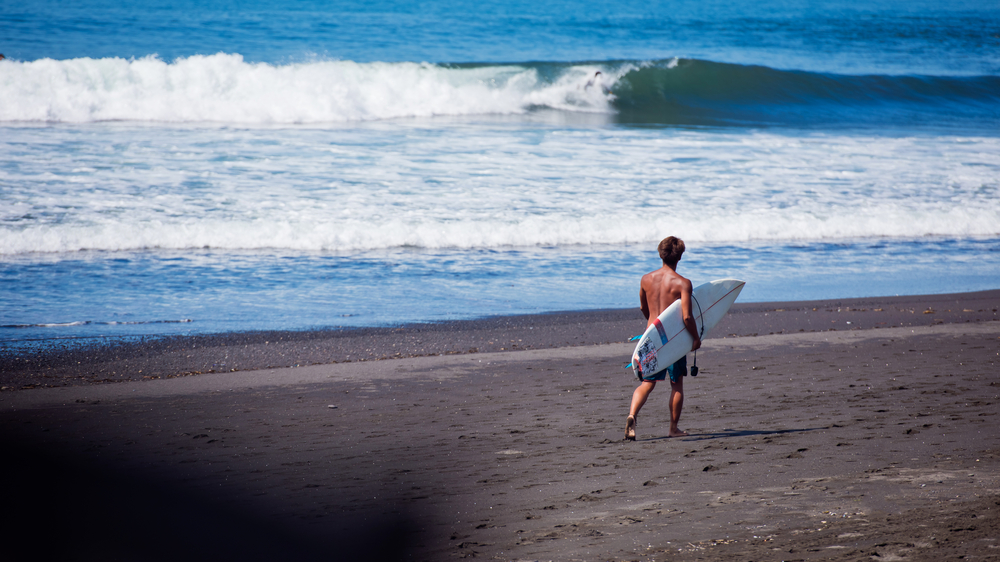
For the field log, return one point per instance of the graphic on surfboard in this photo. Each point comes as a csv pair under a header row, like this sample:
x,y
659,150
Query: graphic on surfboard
x,y
666,340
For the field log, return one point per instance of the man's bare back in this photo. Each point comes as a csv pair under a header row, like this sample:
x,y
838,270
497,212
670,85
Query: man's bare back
x,y
659,289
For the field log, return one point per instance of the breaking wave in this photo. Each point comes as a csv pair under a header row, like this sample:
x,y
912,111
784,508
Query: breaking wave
x,y
225,88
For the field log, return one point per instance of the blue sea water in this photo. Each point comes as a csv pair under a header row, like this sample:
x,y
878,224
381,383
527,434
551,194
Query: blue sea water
x,y
194,167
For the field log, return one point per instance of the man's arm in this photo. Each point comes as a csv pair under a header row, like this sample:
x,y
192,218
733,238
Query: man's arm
x,y
689,322
643,304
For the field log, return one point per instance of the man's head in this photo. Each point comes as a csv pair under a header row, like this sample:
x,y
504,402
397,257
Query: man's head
x,y
671,249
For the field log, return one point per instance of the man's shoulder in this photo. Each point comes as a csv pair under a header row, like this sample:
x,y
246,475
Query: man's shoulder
x,y
672,275
678,282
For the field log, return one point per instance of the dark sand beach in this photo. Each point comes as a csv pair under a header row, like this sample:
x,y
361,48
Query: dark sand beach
x,y
853,429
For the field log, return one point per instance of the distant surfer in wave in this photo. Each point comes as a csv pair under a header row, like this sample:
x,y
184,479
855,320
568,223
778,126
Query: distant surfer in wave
x,y
598,81
658,290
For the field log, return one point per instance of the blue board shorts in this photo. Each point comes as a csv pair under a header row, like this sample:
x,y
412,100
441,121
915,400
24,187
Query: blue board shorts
x,y
676,371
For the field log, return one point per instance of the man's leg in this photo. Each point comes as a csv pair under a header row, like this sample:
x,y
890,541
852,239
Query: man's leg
x,y
638,399
676,404
640,395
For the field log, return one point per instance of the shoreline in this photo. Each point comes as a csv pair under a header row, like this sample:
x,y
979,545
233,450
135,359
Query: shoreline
x,y
805,444
175,356
449,367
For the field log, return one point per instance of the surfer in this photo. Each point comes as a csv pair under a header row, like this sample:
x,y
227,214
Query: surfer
x,y
597,80
658,290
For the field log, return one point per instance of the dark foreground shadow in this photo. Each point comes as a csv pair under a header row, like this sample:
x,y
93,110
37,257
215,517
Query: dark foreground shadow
x,y
727,433
63,508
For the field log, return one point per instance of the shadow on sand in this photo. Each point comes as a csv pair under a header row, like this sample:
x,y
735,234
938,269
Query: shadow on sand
x,y
69,508
726,433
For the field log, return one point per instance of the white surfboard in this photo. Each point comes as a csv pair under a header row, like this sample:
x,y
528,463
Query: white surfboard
x,y
666,340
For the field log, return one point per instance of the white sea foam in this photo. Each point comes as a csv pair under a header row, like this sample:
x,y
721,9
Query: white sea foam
x,y
390,186
224,88
467,233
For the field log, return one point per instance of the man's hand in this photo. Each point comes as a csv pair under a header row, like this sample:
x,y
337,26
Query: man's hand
x,y
696,344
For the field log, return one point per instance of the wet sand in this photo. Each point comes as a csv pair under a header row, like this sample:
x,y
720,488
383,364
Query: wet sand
x,y
858,429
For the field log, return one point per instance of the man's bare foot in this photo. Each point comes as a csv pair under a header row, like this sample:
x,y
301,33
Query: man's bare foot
x,y
630,428
677,433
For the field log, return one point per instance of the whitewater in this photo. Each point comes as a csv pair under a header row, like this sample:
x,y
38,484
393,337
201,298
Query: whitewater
x,y
215,152
224,88
482,186
173,184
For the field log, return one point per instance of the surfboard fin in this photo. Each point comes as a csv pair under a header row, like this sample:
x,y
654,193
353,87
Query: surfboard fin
x,y
635,338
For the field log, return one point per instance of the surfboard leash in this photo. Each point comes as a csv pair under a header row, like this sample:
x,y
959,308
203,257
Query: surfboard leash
x,y
694,367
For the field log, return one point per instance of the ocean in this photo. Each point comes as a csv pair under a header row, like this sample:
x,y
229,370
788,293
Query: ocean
x,y
171,167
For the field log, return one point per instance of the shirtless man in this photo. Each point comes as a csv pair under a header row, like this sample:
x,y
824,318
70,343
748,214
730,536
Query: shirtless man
x,y
658,290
